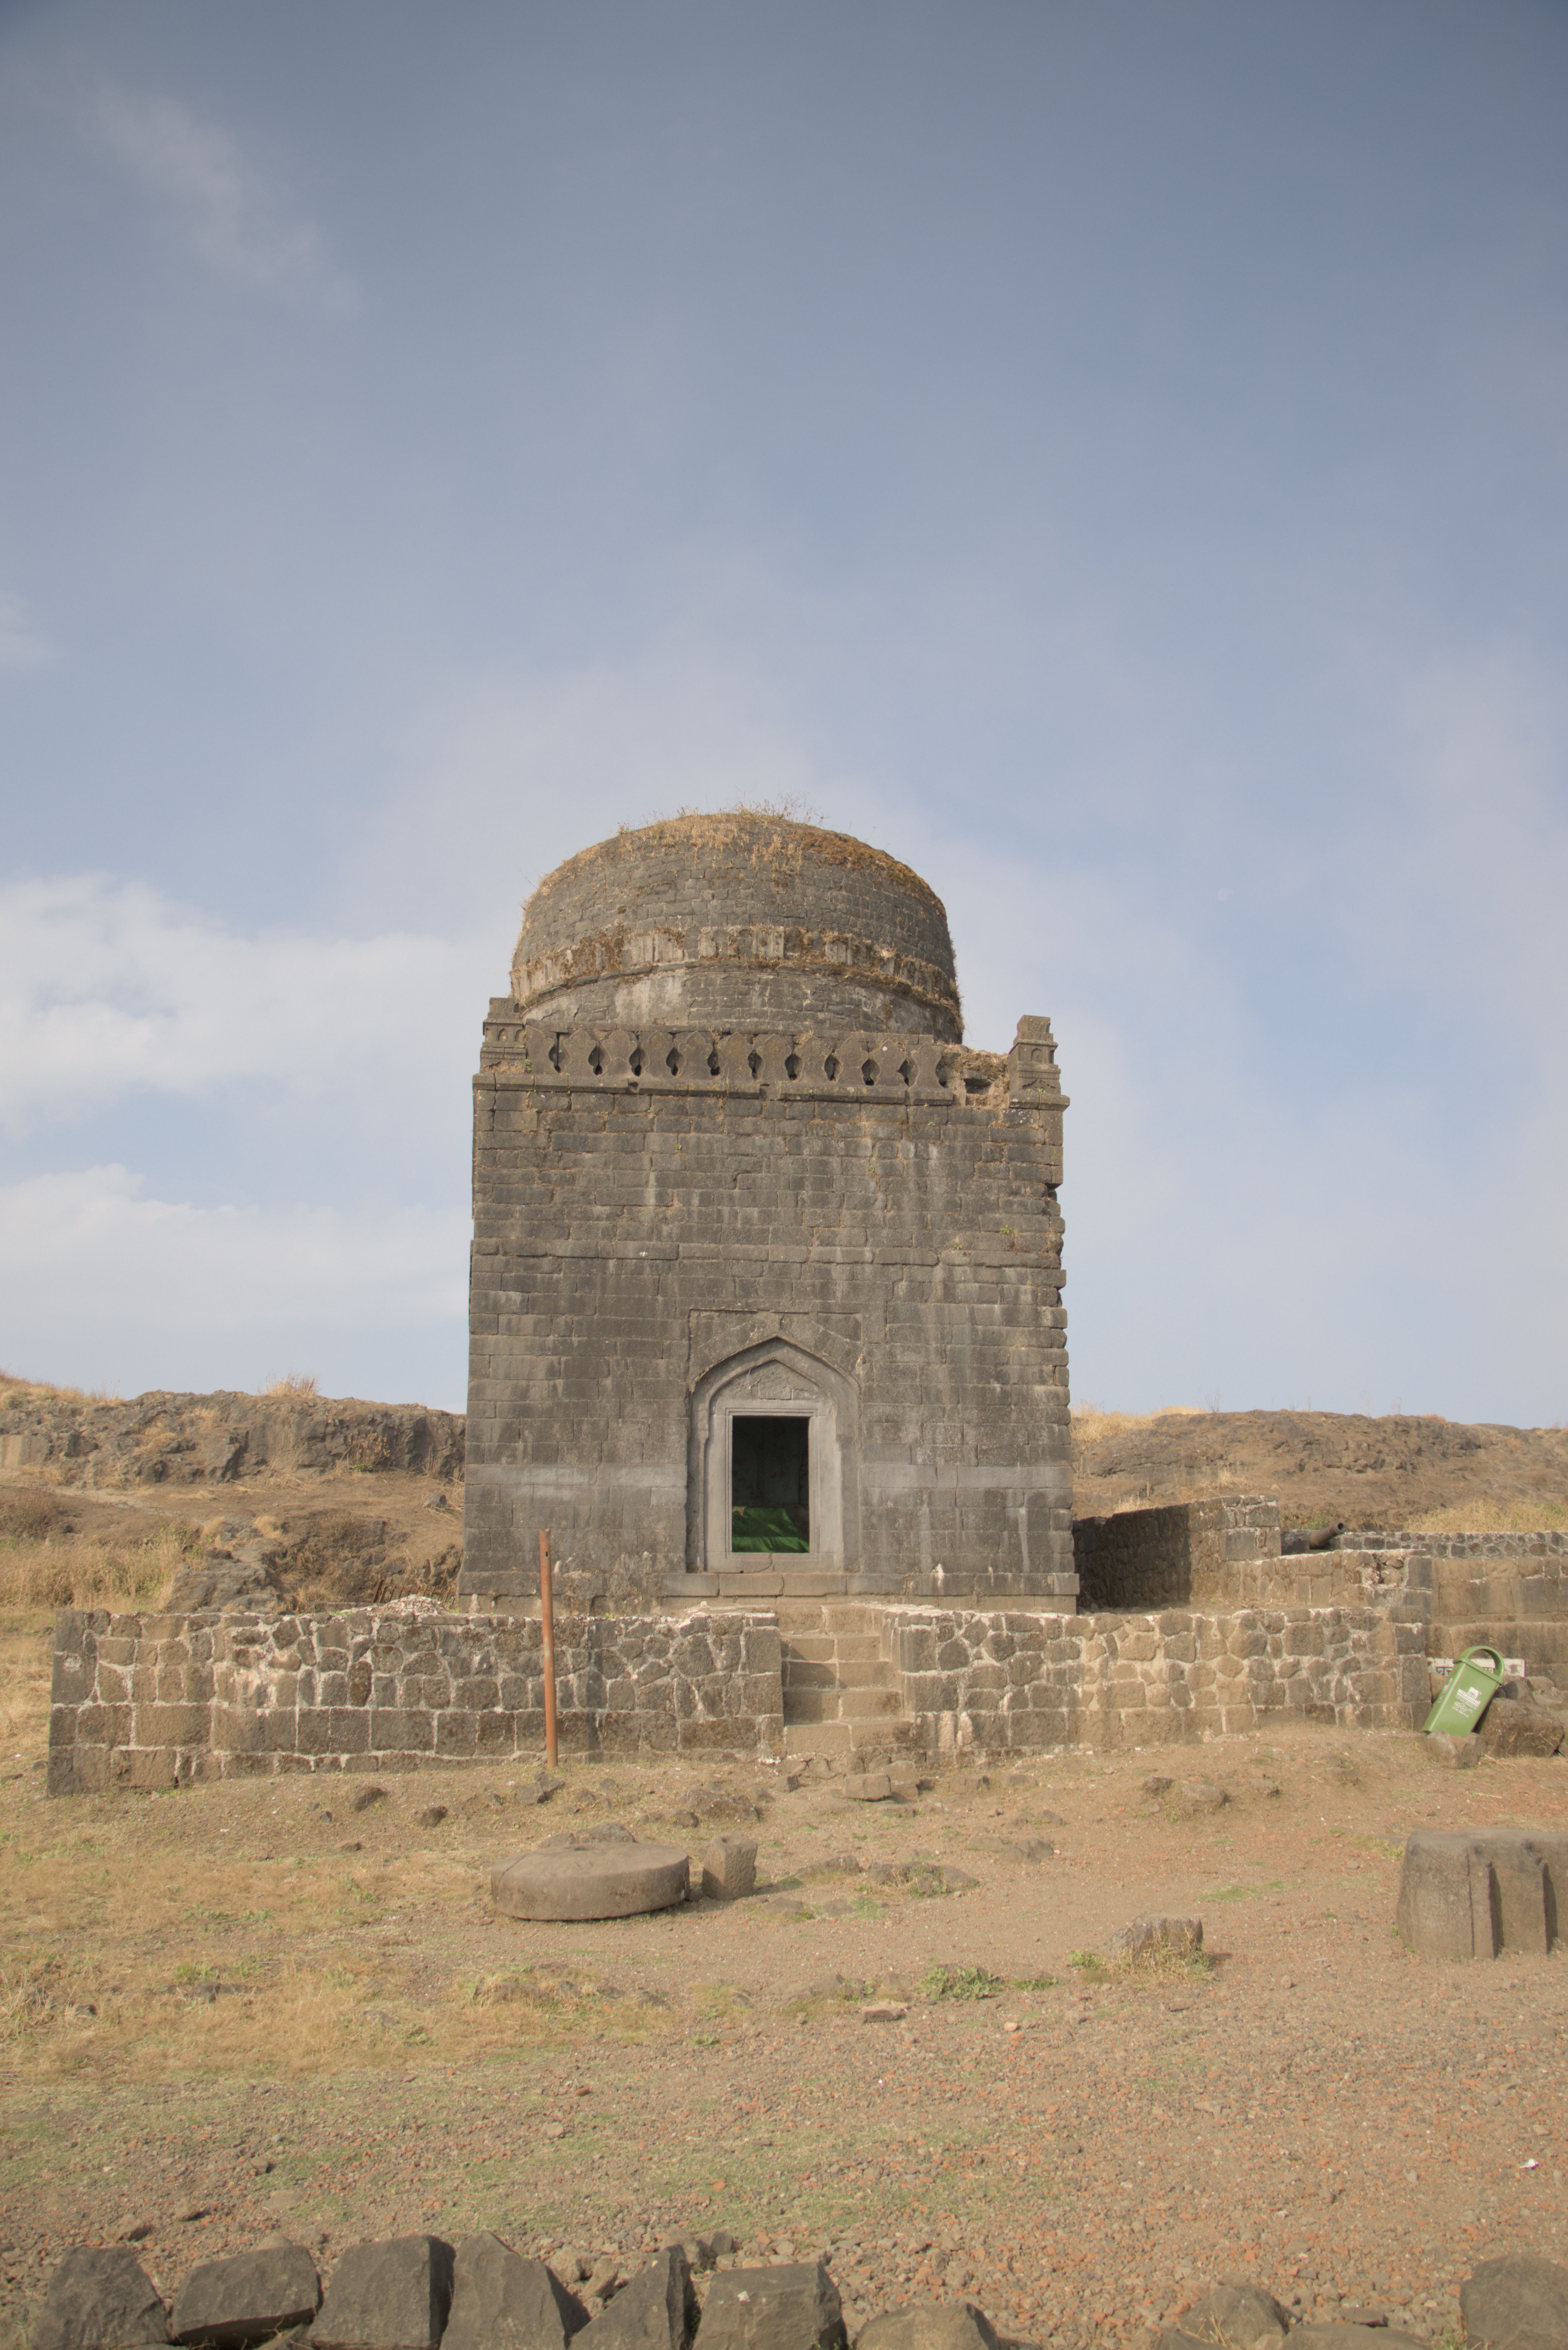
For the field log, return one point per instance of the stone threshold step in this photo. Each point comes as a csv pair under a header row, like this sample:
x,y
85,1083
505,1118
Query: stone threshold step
x,y
848,1740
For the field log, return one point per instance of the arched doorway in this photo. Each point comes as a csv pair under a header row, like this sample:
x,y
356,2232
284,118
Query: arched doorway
x,y
772,1464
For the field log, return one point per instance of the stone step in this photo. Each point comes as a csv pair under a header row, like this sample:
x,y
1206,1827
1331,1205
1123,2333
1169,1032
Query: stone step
x,y
806,1738
858,1743
811,1647
810,1705
869,1704
851,1646
842,1705
807,1673
813,1659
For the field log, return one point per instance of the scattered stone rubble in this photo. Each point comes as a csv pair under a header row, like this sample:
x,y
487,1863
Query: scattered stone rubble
x,y
419,2292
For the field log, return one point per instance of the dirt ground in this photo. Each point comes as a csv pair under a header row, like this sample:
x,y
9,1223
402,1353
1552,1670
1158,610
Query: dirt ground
x,y
251,2006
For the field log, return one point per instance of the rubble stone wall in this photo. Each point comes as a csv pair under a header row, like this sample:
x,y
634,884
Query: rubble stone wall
x,y
1551,1542
1000,1680
156,1700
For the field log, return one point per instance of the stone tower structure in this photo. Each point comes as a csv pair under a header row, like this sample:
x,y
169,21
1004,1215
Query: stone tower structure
x,y
765,1291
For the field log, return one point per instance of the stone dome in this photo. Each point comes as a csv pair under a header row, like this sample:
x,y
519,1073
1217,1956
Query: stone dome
x,y
737,921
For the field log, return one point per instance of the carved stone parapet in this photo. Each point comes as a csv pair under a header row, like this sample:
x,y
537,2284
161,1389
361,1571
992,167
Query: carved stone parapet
x,y
854,1065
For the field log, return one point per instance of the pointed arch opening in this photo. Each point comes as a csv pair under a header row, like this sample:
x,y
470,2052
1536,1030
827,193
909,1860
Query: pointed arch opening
x,y
772,1464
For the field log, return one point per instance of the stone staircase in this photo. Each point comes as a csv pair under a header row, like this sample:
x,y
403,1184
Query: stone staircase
x,y
841,1698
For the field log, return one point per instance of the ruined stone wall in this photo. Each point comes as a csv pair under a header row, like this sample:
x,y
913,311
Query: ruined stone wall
x,y
146,1701
1213,1554
1009,1681
650,1206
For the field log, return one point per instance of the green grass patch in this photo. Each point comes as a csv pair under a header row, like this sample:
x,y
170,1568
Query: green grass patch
x,y
961,1982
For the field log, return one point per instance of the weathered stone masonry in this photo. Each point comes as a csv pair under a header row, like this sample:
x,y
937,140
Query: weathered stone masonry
x,y
1019,1681
158,1700
730,1157
153,1701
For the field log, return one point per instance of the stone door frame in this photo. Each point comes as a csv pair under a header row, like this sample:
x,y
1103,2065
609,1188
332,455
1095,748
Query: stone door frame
x,y
774,1379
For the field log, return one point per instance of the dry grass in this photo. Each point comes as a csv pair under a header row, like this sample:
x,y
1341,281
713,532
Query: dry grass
x,y
46,1569
42,1571
26,1666
293,1383
292,1967
1093,1425
17,1394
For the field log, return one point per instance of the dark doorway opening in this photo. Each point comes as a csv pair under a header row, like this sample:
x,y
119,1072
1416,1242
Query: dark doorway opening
x,y
770,1483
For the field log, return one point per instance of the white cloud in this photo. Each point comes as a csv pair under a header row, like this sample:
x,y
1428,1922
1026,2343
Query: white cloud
x,y
106,990
87,1245
23,644
244,228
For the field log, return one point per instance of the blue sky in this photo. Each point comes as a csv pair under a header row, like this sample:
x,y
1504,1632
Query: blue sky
x,y
1113,456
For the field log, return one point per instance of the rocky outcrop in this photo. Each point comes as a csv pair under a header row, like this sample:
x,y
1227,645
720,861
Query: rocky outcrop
x,y
213,1440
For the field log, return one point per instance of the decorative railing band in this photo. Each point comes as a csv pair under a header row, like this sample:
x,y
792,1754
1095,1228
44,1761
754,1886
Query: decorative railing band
x,y
691,1059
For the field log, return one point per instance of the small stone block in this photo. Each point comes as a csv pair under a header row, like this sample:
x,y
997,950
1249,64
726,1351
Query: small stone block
x,y
1238,2316
730,1868
100,2300
248,2299
931,2326
1518,2302
1147,1935
502,2302
794,2306
657,2311
390,2296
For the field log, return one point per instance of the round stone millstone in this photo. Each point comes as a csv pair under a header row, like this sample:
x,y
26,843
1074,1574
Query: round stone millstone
x,y
600,1880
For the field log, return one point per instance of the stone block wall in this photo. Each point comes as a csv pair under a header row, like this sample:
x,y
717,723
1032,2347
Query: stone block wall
x,y
1518,1603
1507,1591
156,1701
1002,1681
1214,1553
653,1207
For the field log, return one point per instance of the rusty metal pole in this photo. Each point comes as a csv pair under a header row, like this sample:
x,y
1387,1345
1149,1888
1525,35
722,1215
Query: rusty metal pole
x,y
548,1620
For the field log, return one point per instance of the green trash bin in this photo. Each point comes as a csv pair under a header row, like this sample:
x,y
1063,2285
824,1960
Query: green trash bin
x,y
1470,1689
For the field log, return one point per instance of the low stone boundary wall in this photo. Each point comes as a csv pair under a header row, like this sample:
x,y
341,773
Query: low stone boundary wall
x,y
156,1700
1509,1589
1514,1599
1549,1541
998,1680
1173,1557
